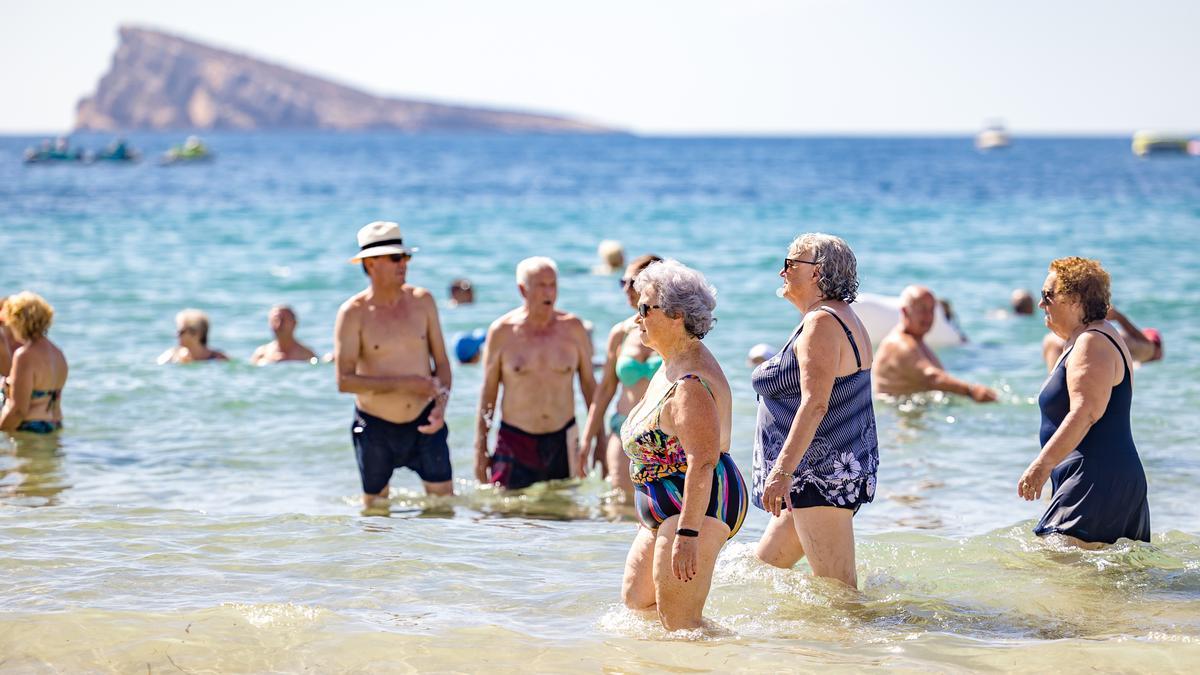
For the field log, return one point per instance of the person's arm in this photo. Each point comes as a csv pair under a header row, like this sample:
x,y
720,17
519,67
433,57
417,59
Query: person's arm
x,y
346,337
1089,384
937,379
441,367
5,352
1140,346
693,417
488,393
816,349
20,383
603,395
587,387
259,353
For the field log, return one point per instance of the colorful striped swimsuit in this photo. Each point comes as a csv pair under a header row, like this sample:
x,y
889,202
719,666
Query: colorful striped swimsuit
x,y
658,466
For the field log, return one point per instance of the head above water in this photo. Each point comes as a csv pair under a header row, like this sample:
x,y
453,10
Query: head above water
x,y
192,323
462,292
28,315
680,293
282,319
918,308
611,253
820,265
1022,302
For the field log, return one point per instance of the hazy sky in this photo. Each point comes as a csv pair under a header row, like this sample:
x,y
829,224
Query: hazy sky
x,y
671,66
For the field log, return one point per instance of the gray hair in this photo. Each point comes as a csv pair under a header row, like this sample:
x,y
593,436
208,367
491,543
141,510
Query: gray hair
x,y
836,266
529,266
682,291
196,320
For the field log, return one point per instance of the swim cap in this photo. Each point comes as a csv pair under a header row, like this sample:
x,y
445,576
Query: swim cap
x,y
468,344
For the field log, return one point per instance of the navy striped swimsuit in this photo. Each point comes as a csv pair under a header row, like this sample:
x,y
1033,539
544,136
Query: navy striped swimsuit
x,y
838,469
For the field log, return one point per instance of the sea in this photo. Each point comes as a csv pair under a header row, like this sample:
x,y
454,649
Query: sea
x,y
207,518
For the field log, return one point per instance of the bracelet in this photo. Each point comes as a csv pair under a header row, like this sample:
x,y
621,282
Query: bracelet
x,y
685,532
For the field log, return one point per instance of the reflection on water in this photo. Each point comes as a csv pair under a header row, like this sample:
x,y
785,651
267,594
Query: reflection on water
x,y
31,470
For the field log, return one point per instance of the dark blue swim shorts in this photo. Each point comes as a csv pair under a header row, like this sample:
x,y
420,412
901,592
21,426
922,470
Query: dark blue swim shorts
x,y
382,446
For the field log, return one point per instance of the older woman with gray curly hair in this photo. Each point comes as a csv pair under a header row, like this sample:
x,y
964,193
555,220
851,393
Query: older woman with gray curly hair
x,y
815,450
689,495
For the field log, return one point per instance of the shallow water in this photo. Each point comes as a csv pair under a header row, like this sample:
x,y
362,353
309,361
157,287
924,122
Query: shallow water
x,y
206,518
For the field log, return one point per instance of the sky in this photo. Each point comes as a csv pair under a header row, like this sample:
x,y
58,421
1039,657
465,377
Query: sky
x,y
752,67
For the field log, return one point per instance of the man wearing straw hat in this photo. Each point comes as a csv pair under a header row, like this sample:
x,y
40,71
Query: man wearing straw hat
x,y
390,354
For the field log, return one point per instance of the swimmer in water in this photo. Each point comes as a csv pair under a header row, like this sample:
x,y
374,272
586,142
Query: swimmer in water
x,y
904,364
1145,344
285,347
534,352
191,329
612,257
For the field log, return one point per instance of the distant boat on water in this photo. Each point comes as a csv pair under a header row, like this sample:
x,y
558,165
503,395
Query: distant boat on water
x,y
993,136
1153,143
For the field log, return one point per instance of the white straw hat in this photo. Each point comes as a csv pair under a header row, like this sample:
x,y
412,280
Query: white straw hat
x,y
381,238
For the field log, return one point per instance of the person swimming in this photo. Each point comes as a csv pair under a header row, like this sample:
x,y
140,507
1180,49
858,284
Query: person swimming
x,y
39,369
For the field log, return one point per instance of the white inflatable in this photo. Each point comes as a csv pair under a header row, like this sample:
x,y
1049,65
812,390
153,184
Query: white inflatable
x,y
881,313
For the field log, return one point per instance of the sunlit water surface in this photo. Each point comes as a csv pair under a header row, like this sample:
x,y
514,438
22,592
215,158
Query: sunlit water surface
x,y
206,518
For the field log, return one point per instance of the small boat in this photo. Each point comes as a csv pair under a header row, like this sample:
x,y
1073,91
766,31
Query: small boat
x,y
1151,143
58,152
992,137
192,151
117,151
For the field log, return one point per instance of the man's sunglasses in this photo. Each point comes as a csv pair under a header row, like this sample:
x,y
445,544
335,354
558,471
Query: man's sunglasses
x,y
789,263
1047,296
644,309
397,257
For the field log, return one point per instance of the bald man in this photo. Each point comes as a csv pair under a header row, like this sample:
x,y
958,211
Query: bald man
x,y
904,364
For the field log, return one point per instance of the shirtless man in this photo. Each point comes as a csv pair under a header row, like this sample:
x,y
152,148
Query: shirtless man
x,y
535,352
904,364
390,354
284,347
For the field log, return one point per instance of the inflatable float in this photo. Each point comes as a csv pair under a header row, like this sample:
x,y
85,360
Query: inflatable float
x,y
881,313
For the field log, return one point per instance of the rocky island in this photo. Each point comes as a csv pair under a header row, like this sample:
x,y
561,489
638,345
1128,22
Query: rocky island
x,y
161,81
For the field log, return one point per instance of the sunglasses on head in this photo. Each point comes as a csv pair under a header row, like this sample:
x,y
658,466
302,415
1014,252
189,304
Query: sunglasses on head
x,y
789,263
644,309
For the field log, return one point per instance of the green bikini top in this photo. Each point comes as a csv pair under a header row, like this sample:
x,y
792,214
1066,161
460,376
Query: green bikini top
x,y
630,371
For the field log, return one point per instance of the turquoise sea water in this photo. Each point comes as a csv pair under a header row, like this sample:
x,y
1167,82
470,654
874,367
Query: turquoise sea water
x,y
207,518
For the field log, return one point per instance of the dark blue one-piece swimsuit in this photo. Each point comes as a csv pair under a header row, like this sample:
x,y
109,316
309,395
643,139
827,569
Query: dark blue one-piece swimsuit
x,y
1100,488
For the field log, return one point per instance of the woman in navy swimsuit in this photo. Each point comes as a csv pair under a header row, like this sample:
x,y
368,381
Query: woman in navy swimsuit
x,y
1099,486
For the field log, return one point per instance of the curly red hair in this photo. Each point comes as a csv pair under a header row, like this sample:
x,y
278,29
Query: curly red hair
x,y
1086,281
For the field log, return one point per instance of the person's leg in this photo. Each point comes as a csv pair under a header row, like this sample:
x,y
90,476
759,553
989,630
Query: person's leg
x,y
373,452
779,545
827,535
637,587
1085,545
430,456
681,603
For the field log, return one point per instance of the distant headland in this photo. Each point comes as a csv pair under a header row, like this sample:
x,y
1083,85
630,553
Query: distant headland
x,y
161,81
